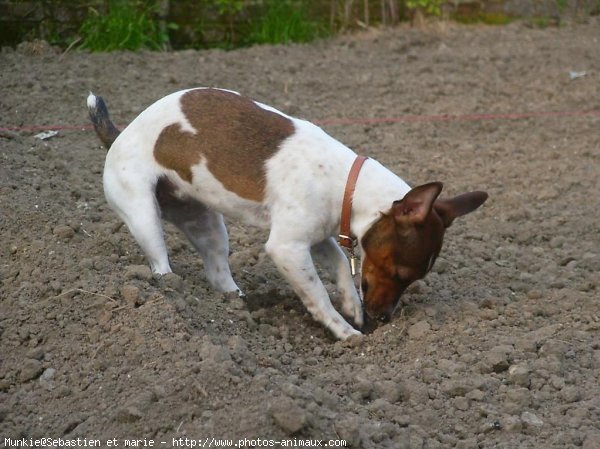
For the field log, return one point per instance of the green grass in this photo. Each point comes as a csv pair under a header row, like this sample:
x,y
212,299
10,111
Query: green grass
x,y
284,21
128,25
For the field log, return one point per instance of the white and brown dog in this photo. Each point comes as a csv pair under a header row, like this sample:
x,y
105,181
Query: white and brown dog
x,y
199,154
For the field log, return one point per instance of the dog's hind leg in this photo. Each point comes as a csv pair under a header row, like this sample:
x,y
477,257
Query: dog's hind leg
x,y
332,258
206,231
134,201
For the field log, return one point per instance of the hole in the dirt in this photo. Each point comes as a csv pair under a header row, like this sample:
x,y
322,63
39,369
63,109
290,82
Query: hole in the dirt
x,y
268,300
370,326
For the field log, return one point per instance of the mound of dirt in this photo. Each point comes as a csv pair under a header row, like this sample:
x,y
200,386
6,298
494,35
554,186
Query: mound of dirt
x,y
497,348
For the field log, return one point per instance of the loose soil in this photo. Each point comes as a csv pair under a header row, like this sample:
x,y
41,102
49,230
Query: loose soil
x,y
497,348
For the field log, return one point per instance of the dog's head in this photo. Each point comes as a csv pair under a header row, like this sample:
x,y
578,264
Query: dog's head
x,y
403,244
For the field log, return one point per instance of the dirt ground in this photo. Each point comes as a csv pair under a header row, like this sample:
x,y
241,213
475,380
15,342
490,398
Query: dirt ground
x,y
497,348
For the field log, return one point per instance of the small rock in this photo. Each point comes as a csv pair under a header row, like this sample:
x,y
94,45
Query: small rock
x,y
521,397
131,294
354,341
46,379
526,344
86,263
440,266
48,374
461,403
380,407
128,414
512,424
348,429
419,330
534,294
490,426
519,375
64,232
71,422
388,390
488,314
557,242
414,391
402,420
31,370
416,287
497,359
36,353
475,395
557,382
288,415
455,388
214,353
267,330
570,394
362,389
451,367
294,391
554,348
432,375
63,391
530,420
236,303
139,272
174,281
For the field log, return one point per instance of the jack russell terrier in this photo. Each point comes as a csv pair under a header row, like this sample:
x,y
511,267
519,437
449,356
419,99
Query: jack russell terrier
x,y
199,154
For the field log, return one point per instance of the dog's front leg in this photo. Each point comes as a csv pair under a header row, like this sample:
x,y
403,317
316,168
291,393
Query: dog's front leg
x,y
294,261
331,256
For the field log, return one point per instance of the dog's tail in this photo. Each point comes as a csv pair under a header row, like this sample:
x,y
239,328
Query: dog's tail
x,y
104,127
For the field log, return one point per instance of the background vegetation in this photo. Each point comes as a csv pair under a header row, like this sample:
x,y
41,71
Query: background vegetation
x,y
106,25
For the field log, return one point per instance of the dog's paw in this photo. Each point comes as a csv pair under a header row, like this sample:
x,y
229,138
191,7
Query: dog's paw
x,y
352,311
359,319
349,333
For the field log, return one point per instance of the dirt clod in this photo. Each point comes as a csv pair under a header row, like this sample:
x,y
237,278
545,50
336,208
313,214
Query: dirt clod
x,y
30,370
142,272
288,415
64,232
131,294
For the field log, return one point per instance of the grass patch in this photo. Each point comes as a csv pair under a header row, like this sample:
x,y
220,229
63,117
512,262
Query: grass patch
x,y
127,25
543,22
284,21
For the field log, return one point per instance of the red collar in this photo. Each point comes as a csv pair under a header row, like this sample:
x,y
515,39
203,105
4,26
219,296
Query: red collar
x,y
346,239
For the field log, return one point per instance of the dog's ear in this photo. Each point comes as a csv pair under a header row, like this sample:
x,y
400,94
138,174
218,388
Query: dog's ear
x,y
449,209
416,204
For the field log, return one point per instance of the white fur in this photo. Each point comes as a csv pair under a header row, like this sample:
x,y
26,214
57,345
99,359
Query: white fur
x,y
305,184
91,101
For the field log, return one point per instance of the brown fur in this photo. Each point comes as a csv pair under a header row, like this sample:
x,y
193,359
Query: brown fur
x,y
235,137
397,254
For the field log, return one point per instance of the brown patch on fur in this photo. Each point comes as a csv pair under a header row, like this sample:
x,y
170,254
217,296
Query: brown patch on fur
x,y
396,254
234,136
